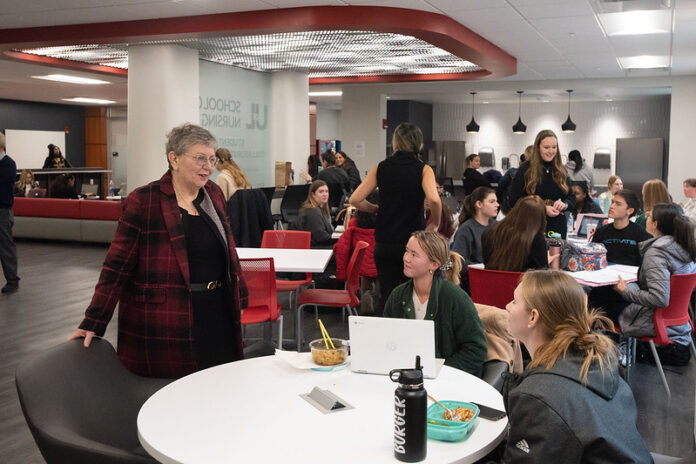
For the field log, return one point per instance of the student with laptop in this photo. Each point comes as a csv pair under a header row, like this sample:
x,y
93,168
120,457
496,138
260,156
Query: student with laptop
x,y
433,293
621,239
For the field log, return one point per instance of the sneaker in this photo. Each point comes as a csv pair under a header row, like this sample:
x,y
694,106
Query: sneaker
x,y
9,288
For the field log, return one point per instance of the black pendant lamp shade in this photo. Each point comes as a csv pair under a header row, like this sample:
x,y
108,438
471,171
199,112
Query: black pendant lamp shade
x,y
519,127
472,127
568,126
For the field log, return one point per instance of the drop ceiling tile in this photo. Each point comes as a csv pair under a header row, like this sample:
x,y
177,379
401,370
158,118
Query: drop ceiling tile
x,y
458,5
561,27
412,4
472,17
555,10
579,45
684,65
520,3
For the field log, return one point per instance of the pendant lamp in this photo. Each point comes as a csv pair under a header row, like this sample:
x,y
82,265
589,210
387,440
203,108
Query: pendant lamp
x,y
568,126
472,127
519,127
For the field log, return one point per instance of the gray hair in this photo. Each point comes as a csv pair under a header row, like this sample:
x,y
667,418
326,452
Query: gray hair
x,y
183,137
2,141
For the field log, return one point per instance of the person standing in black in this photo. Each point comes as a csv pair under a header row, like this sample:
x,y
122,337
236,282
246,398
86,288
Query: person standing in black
x,y
55,159
404,181
8,249
543,174
471,177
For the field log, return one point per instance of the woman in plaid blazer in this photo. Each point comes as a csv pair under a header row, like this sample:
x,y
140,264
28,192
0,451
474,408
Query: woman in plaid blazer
x,y
172,232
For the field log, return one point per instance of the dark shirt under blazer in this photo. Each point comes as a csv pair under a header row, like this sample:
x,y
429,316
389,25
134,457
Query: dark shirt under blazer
x,y
147,270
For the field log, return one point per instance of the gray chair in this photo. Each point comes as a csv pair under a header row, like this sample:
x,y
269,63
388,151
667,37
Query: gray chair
x,y
81,405
660,459
493,371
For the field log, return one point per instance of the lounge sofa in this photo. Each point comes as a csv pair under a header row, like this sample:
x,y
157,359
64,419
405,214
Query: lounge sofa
x,y
73,220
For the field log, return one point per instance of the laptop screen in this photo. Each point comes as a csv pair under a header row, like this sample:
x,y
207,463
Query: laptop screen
x,y
587,219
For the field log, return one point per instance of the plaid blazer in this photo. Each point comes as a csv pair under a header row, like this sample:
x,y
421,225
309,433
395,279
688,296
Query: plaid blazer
x,y
147,271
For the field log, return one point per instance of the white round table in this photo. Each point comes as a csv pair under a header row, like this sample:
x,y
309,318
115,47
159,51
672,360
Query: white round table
x,y
251,411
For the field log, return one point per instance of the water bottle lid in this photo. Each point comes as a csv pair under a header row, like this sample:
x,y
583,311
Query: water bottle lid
x,y
408,376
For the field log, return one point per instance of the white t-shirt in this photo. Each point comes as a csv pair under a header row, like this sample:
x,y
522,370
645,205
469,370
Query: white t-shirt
x,y
421,308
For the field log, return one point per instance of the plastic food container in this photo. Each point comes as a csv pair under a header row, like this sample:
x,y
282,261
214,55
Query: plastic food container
x,y
446,430
328,357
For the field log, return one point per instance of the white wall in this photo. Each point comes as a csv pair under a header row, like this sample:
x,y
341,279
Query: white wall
x,y
117,141
364,140
599,124
681,145
328,124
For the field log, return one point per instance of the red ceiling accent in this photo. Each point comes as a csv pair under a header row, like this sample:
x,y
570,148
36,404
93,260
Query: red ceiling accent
x,y
436,29
67,64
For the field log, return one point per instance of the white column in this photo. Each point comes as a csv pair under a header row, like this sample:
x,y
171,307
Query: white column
x,y
162,94
290,121
363,138
681,140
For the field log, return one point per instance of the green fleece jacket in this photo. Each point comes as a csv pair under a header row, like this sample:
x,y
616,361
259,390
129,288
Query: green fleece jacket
x,y
459,336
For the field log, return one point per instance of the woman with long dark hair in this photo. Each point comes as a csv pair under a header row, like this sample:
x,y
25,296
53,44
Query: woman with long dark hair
x,y
517,242
671,251
570,404
344,162
543,174
404,183
315,216
578,170
584,204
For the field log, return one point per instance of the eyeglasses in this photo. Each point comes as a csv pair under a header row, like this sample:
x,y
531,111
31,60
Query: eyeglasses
x,y
201,159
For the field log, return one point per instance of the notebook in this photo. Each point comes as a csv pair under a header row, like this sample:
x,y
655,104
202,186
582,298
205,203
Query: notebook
x,y
380,344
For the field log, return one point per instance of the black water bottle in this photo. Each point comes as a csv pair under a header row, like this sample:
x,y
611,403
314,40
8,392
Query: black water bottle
x,y
410,416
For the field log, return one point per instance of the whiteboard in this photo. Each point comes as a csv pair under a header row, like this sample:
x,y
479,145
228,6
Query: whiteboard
x,y
29,148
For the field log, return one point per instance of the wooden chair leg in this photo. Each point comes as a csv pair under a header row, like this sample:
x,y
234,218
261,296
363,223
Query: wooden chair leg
x,y
659,367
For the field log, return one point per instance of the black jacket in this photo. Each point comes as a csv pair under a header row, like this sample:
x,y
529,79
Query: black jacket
x,y
315,221
250,216
555,419
472,179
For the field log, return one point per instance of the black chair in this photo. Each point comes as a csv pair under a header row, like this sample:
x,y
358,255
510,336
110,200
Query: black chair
x,y
292,201
81,404
493,372
269,192
337,195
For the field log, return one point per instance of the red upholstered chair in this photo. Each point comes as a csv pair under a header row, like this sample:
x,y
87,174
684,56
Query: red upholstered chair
x,y
494,288
346,299
259,274
298,239
676,313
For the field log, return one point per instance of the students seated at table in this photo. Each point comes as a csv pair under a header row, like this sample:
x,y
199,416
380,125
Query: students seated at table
x,y
621,239
570,404
578,169
25,183
472,178
479,210
433,293
615,184
671,251
654,192
360,228
584,203
314,216
63,186
690,204
344,162
231,177
330,173
517,242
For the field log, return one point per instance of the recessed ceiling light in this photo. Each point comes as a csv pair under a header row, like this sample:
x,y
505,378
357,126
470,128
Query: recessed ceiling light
x,y
485,102
71,79
637,22
609,99
333,93
644,62
97,101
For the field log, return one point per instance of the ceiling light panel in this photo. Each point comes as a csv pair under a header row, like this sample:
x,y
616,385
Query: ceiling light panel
x,y
316,53
637,22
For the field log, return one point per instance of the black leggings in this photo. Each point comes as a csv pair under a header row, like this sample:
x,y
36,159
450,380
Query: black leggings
x,y
389,259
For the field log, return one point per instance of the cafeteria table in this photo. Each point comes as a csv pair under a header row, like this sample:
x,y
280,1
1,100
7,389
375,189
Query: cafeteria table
x,y
251,411
291,259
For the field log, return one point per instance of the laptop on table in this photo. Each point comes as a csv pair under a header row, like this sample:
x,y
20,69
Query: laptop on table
x,y
380,344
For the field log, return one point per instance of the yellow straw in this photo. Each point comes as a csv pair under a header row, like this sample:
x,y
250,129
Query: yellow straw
x,y
326,336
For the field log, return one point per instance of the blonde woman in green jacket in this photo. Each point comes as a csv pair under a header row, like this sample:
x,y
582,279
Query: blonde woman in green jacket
x,y
433,293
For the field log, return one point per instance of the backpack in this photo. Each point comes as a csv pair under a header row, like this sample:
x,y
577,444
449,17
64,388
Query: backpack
x,y
587,257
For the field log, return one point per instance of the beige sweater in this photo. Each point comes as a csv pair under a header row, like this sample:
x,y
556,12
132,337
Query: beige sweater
x,y
501,344
226,183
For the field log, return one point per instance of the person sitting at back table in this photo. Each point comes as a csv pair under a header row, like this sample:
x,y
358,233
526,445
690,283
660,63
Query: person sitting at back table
x,y
517,242
344,162
479,210
671,251
654,191
330,173
579,170
55,159
63,186
433,293
314,215
472,178
615,184
570,404
25,183
446,226
621,239
231,177
584,204
690,204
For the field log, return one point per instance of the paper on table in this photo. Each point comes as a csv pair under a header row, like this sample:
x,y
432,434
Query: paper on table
x,y
608,275
296,360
